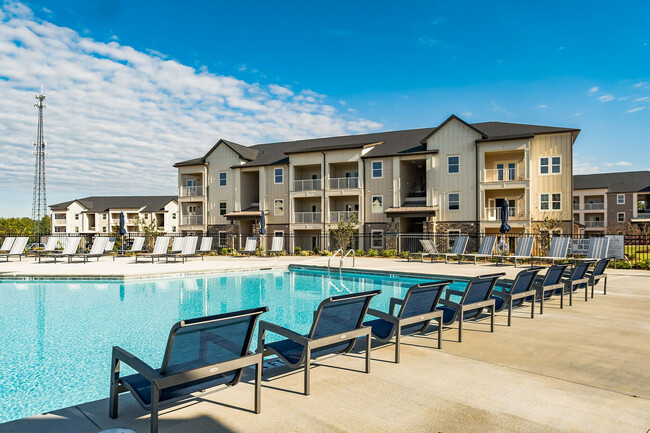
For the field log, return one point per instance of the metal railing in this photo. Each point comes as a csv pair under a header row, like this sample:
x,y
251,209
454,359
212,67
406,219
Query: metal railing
x,y
346,254
188,220
594,206
594,224
344,182
191,191
306,217
329,261
306,185
494,213
342,215
517,173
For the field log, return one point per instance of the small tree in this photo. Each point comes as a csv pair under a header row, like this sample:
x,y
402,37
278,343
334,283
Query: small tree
x,y
546,230
344,232
150,231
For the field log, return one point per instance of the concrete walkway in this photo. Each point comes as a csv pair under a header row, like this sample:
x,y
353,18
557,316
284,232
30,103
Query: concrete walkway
x,y
585,368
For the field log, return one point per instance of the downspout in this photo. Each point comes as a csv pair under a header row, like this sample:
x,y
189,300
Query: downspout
x,y
324,199
478,190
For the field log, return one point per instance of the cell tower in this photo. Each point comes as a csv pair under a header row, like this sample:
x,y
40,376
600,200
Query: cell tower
x,y
39,204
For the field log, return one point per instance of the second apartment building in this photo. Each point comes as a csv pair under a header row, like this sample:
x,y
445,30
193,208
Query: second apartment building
x,y
446,179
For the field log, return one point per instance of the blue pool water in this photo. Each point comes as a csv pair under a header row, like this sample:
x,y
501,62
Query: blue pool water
x,y
56,336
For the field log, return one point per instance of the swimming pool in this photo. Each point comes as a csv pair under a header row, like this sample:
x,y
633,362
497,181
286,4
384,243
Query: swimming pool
x,y
56,336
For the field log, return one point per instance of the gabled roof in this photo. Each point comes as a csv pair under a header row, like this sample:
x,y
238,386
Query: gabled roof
x,y
627,181
391,143
153,203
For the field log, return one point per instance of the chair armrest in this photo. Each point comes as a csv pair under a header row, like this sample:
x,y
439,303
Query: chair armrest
x,y
134,362
449,292
380,314
448,303
502,295
277,329
393,303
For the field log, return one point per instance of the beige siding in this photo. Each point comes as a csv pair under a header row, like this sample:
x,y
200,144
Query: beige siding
x,y
221,159
383,186
276,192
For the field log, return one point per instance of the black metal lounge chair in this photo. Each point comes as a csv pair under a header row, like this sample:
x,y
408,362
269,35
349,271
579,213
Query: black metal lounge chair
x,y
515,294
549,285
473,300
159,249
69,249
597,274
523,251
338,322
460,244
189,250
96,251
201,353
577,279
429,249
558,250
417,309
17,248
485,250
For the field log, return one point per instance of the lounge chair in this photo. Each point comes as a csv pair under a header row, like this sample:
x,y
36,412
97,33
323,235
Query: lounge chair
x,y
177,244
460,244
97,250
577,279
338,322
485,250
597,274
7,243
417,309
515,294
429,249
206,246
558,251
70,249
110,245
137,245
201,353
549,285
189,250
251,246
159,249
473,300
598,249
50,246
17,248
277,245
523,251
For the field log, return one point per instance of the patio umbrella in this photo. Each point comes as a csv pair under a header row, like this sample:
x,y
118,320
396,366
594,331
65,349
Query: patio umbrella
x,y
122,230
505,228
262,224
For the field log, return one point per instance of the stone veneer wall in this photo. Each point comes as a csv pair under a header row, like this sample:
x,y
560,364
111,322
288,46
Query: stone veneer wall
x,y
470,228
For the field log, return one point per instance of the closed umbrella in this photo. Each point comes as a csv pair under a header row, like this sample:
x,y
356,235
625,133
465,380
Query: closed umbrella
x,y
262,225
122,231
505,228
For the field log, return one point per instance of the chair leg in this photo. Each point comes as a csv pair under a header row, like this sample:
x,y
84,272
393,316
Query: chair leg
x,y
570,294
439,332
605,286
586,292
492,318
532,308
113,399
562,297
258,386
307,368
155,395
541,302
460,325
368,346
509,312
397,344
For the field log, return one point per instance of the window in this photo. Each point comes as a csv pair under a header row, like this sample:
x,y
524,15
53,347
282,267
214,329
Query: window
x,y
146,216
377,239
377,203
104,229
620,217
453,164
222,208
173,216
543,202
191,209
279,175
222,239
223,178
543,166
377,169
76,229
76,216
278,207
451,237
499,172
174,229
511,171
556,164
104,216
620,199
453,199
556,201
278,234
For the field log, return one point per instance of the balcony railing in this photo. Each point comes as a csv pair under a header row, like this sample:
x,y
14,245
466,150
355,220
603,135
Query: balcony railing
x,y
191,191
506,174
589,206
494,213
189,220
132,221
307,217
593,224
342,215
59,221
344,182
307,185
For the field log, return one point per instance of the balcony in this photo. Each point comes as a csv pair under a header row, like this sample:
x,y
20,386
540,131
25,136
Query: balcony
x,y
306,185
594,224
191,191
59,221
307,217
494,213
594,206
191,220
132,221
342,215
506,174
344,182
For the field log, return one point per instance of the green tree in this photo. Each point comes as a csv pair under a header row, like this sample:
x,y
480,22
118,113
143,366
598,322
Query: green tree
x,y
548,227
344,232
150,231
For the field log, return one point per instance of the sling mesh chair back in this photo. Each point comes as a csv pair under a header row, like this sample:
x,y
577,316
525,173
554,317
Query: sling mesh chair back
x,y
7,243
460,243
551,284
277,244
138,244
99,246
251,245
177,244
597,274
206,244
559,247
50,245
578,279
189,246
17,248
487,246
110,244
201,353
160,247
524,246
515,294
598,247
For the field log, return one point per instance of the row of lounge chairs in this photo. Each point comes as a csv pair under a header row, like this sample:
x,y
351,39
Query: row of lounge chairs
x,y
558,251
206,352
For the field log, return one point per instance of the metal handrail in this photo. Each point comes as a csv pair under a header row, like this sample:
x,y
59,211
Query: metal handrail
x,y
332,256
346,254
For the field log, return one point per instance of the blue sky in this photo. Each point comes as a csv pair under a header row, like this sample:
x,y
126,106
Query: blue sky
x,y
339,67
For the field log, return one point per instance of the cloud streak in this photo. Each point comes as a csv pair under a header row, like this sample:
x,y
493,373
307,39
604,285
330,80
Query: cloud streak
x,y
117,118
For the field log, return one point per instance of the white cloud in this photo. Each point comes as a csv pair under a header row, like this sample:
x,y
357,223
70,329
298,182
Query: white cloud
x,y
576,114
623,163
642,99
542,106
118,118
643,84
606,98
467,114
427,41
342,102
593,89
561,48
635,109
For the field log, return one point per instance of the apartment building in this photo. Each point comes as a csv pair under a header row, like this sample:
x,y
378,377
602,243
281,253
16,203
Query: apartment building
x,y
603,200
448,179
92,215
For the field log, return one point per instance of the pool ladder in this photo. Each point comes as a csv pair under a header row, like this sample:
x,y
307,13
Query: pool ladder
x,y
343,257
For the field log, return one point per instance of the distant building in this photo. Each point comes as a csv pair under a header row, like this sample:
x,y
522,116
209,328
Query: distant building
x,y
448,179
93,215
603,200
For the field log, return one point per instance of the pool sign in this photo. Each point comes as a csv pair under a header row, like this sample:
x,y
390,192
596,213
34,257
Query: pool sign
x,y
616,247
579,247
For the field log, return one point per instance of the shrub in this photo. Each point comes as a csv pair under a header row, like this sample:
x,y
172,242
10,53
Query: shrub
x,y
371,253
388,253
404,255
304,253
359,252
325,253
225,251
297,251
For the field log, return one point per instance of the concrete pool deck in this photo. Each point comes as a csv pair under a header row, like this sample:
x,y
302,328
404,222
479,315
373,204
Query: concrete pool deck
x,y
583,368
